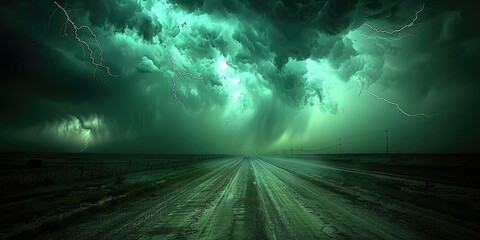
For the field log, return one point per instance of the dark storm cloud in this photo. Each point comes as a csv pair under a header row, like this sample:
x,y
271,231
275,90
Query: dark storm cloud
x,y
254,44
315,28
34,82
42,87
299,23
44,83
446,53
290,83
119,14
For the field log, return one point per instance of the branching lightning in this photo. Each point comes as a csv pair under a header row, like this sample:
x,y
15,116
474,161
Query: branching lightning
x,y
398,106
175,68
391,32
97,63
178,73
389,39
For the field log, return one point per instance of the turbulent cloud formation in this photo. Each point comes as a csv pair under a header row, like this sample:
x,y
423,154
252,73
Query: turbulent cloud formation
x,y
239,76
146,65
121,15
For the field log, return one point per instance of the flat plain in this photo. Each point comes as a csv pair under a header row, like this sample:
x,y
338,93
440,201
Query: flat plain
x,y
101,196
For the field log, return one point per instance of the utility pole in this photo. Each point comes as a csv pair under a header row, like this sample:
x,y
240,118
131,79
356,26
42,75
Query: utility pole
x,y
301,151
291,151
386,139
340,146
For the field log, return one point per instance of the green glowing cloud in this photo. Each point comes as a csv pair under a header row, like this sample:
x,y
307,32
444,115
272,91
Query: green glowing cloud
x,y
274,74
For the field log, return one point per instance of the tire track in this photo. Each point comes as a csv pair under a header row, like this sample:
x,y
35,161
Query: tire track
x,y
132,219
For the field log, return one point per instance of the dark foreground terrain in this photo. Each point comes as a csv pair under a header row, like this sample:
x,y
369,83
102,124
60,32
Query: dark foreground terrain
x,y
253,197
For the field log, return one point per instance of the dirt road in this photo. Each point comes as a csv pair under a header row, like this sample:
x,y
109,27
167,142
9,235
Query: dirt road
x,y
279,198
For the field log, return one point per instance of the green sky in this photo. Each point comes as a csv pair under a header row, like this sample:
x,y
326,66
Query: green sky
x,y
240,76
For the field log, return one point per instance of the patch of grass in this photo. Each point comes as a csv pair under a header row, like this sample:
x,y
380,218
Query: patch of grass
x,y
57,203
130,191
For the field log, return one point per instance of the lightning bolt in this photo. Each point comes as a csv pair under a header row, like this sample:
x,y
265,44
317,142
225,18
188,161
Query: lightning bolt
x,y
97,63
398,106
175,68
391,32
391,40
178,74
86,141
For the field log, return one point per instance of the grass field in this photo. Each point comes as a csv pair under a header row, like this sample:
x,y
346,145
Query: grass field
x,y
33,201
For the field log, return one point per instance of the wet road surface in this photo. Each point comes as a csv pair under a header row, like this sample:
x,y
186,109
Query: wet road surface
x,y
279,198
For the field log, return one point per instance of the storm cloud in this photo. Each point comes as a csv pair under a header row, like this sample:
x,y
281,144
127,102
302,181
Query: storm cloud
x,y
238,76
